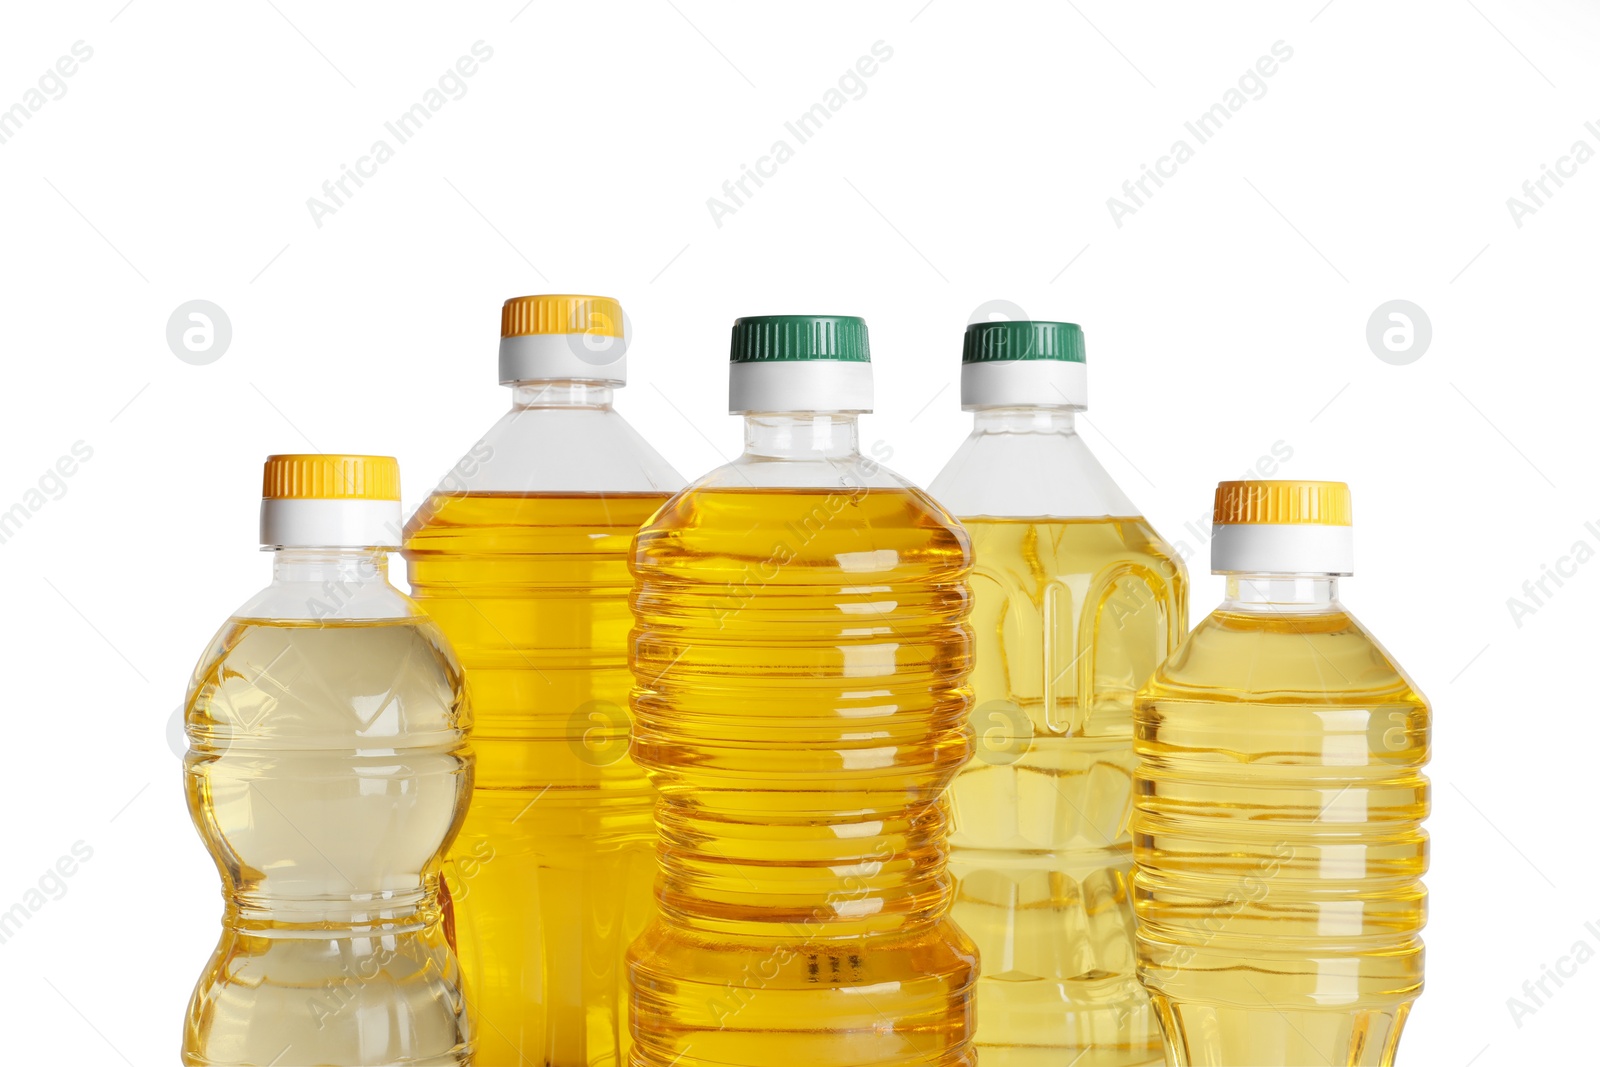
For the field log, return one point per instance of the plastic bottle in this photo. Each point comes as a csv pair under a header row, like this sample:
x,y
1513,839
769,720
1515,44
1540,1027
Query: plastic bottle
x,y
1076,600
520,555
801,660
327,771
1278,830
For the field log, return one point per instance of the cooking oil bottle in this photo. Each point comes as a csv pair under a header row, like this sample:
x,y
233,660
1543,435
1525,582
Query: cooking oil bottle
x,y
1278,824
327,771
801,659
1075,601
520,555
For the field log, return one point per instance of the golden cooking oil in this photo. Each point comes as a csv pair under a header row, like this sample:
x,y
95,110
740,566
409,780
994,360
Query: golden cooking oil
x,y
802,657
550,877
327,768
1076,599
1279,808
1070,617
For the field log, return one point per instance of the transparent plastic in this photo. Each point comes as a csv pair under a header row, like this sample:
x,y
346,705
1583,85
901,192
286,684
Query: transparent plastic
x,y
1278,834
801,659
1076,600
327,771
520,556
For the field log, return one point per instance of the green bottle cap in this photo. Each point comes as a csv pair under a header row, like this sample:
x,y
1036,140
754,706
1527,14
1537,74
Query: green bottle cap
x,y
996,342
795,338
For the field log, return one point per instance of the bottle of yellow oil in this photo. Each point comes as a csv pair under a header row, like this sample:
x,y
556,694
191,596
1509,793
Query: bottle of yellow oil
x,y
801,660
520,555
327,771
1075,601
1278,823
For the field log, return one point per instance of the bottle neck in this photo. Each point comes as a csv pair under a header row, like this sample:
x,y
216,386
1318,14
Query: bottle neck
x,y
562,393
1025,420
335,564
806,435
1281,592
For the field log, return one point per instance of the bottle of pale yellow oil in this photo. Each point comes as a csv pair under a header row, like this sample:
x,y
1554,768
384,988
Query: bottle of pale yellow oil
x,y
520,555
1075,601
327,771
1278,830
801,659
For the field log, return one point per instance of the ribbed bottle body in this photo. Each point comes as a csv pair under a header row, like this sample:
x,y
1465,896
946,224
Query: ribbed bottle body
x,y
801,659
1279,841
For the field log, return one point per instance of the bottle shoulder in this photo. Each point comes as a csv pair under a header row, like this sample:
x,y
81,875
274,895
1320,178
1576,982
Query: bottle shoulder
x,y
1018,474
561,450
853,470
360,595
1025,552
325,682
1284,657
1064,539
837,515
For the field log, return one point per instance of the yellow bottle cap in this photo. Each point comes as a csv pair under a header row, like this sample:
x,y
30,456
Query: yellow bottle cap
x,y
315,476
1282,503
560,313
563,336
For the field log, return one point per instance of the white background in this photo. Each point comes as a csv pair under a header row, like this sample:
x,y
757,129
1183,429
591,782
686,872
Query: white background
x,y
1227,314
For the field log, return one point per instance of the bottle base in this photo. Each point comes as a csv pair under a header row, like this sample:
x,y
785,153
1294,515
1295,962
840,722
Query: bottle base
x,y
730,1001
282,1000
1215,1035
1038,1023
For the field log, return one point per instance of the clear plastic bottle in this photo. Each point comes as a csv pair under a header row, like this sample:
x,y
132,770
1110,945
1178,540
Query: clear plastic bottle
x,y
801,660
327,771
1075,601
520,555
1278,830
